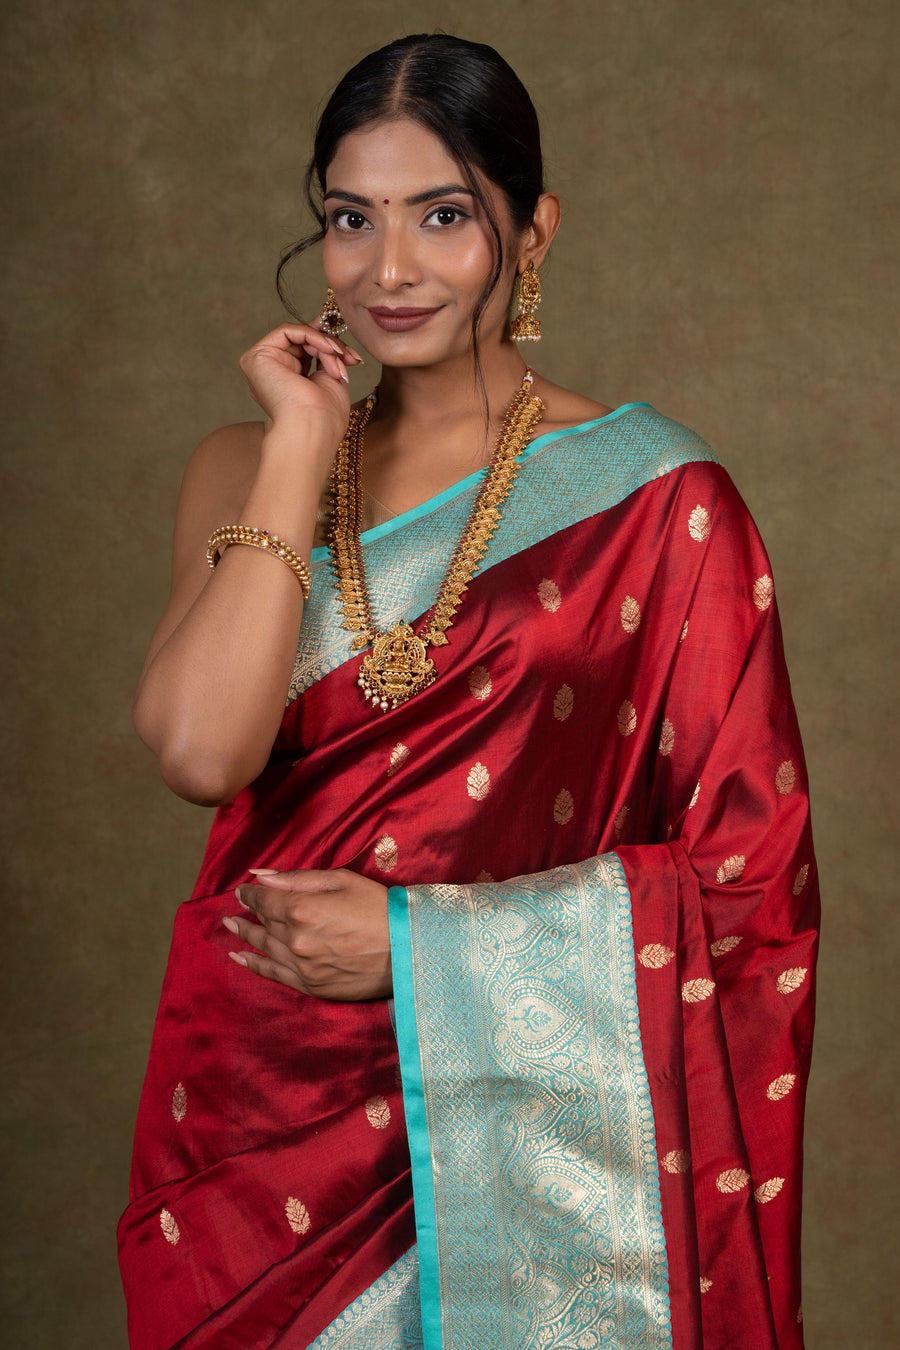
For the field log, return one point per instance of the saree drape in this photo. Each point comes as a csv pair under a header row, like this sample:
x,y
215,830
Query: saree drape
x,y
603,903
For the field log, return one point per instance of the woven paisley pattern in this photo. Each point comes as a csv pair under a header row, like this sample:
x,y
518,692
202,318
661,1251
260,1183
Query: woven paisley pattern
x,y
549,1228
384,1317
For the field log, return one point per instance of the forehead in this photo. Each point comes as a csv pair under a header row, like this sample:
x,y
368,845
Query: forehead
x,y
392,159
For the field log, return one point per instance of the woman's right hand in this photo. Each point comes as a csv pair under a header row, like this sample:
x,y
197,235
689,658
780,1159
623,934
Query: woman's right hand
x,y
213,688
278,370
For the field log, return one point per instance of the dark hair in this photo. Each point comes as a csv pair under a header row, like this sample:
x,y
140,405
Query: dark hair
x,y
463,92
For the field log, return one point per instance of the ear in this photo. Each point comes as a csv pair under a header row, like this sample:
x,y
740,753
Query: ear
x,y
538,237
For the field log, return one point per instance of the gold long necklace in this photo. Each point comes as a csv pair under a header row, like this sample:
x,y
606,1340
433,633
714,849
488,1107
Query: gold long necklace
x,y
398,666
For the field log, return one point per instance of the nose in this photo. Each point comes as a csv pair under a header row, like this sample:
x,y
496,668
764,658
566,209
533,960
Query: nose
x,y
397,261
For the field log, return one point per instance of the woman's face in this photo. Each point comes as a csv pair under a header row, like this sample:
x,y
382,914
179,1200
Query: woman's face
x,y
408,250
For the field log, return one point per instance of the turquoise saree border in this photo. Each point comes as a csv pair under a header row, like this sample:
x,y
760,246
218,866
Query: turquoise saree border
x,y
565,477
441,499
384,1317
416,1123
529,1114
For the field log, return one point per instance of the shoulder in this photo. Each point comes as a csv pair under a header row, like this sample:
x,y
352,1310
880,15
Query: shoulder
x,y
229,447
633,444
224,464
217,482
564,407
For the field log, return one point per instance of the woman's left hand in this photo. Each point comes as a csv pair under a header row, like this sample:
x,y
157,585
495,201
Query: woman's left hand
x,y
323,933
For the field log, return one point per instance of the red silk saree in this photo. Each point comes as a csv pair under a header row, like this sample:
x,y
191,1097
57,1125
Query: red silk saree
x,y
603,905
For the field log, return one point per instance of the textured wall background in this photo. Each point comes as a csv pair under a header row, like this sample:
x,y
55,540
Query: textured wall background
x,y
728,253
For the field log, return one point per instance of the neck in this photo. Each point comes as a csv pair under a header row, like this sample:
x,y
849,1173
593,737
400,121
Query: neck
x,y
450,391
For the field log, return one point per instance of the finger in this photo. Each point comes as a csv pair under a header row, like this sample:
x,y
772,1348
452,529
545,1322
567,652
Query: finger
x,y
261,939
301,334
333,365
254,934
349,353
269,904
305,880
268,969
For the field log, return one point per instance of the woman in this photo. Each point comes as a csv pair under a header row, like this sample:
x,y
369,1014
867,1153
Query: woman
x,y
603,1058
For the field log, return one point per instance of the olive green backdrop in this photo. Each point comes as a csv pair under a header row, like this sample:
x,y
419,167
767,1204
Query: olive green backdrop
x,y
731,205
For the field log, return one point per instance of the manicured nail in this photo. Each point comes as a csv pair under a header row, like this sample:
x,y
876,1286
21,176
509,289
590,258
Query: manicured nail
x,y
263,871
344,376
241,960
232,927
237,895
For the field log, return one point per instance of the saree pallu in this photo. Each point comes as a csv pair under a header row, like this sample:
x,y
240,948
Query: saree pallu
x,y
595,832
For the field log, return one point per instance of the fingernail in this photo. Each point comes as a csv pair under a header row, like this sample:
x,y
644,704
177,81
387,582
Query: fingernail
x,y
263,871
241,960
231,926
240,900
344,376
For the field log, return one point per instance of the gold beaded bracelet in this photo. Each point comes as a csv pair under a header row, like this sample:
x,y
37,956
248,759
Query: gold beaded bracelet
x,y
243,534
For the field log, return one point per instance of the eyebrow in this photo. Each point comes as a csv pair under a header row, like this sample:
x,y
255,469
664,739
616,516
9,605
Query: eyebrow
x,y
433,194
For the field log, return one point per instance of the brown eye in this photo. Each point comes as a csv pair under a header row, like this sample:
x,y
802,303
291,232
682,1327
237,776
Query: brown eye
x,y
349,220
446,215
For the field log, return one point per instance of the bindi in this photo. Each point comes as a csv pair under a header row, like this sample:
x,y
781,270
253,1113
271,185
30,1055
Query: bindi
x,y
387,201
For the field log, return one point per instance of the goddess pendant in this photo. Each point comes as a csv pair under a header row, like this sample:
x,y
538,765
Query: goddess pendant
x,y
396,668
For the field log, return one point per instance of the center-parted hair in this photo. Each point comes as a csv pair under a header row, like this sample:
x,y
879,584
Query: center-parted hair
x,y
467,96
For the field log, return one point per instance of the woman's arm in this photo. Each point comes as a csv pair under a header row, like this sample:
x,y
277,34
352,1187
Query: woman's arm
x,y
212,692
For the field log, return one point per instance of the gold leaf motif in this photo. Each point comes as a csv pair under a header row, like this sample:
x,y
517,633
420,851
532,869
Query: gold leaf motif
x,y
563,807
563,703
630,614
705,1285
768,1190
480,683
619,822
735,1179
684,631
763,591
667,737
627,719
695,991
478,782
549,595
785,777
800,879
781,1086
731,868
654,956
693,802
297,1215
171,1231
725,944
791,979
386,854
698,524
677,1160
179,1102
378,1113
484,876
399,756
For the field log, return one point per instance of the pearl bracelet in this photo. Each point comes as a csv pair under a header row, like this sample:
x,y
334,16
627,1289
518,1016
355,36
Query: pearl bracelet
x,y
243,534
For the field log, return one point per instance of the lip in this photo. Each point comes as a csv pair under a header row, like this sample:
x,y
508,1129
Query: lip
x,y
400,318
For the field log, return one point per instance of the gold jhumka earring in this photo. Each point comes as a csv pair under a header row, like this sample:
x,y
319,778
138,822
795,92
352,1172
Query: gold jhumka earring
x,y
525,327
331,318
